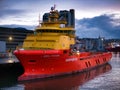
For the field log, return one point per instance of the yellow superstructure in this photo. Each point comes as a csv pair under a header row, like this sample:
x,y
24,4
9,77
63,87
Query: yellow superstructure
x,y
51,34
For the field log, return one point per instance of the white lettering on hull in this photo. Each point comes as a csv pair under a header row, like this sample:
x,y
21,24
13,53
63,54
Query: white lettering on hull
x,y
46,56
71,59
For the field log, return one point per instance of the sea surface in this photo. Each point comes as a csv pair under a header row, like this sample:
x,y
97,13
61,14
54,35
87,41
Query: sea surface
x,y
105,77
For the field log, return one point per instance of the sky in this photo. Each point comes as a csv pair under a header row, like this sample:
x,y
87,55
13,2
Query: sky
x,y
87,12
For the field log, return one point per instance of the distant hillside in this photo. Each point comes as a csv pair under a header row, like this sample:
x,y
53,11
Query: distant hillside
x,y
19,26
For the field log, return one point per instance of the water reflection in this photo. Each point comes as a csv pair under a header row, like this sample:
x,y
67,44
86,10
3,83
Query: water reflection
x,y
107,81
116,54
9,73
69,82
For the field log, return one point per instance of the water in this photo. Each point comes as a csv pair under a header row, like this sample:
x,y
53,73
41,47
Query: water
x,y
8,59
106,77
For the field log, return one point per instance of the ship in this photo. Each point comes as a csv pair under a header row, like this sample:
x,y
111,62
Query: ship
x,y
113,47
50,50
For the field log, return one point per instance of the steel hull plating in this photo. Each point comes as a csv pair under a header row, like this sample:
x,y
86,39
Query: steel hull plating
x,y
47,63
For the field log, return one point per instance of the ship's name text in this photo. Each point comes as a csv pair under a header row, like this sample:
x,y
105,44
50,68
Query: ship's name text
x,y
71,59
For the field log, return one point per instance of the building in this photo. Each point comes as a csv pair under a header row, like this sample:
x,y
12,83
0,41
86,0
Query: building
x,y
92,44
2,46
13,36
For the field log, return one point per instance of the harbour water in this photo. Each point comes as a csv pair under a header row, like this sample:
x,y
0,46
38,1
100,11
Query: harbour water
x,y
106,77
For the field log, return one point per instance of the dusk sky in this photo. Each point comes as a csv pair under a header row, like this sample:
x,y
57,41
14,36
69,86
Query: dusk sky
x,y
26,12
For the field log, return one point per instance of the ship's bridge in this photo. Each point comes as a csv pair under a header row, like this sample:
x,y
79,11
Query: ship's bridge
x,y
51,34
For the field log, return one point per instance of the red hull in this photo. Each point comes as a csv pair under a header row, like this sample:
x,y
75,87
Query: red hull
x,y
47,63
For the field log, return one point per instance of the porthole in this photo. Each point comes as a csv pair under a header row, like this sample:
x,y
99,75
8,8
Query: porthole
x,y
32,60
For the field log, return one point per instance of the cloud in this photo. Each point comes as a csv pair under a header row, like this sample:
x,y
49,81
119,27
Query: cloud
x,y
104,25
12,8
10,12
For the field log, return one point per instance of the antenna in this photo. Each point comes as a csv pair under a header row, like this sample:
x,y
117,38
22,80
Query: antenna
x,y
54,6
39,19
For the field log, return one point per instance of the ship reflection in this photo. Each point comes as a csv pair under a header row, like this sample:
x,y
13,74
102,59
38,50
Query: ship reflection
x,y
67,82
116,54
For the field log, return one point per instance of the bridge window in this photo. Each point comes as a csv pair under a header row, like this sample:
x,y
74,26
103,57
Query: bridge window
x,y
58,31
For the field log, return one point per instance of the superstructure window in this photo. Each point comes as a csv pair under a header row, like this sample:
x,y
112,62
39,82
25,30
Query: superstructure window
x,y
57,31
29,40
